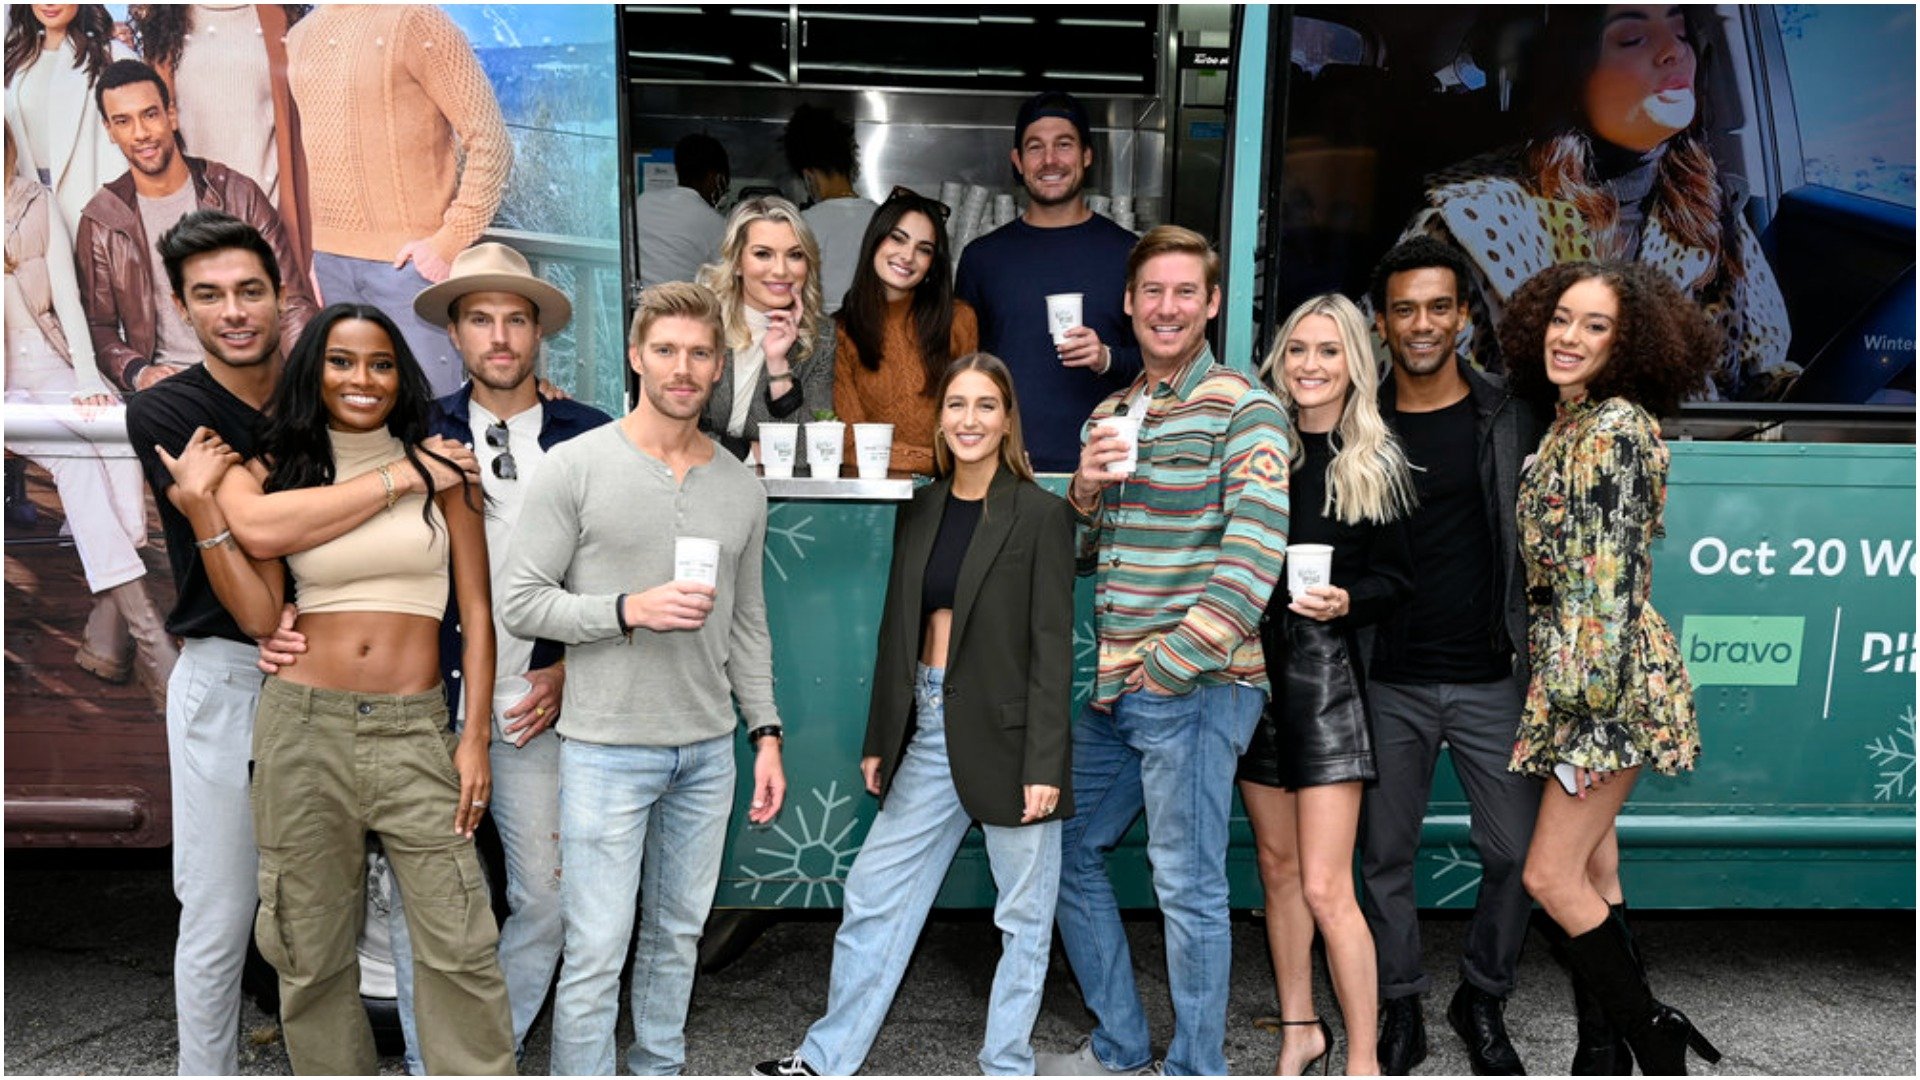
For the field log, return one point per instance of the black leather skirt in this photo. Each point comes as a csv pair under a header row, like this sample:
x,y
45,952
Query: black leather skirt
x,y
1316,729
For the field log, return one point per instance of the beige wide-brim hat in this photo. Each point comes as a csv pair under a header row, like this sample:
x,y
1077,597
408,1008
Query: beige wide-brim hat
x,y
494,268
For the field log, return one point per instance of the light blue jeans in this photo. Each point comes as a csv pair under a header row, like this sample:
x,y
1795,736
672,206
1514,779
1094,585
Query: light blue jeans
x,y
635,819
1174,757
892,886
526,810
344,279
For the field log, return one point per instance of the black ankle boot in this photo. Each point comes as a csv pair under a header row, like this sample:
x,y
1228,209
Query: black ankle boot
x,y
1403,1035
1659,1035
1599,1050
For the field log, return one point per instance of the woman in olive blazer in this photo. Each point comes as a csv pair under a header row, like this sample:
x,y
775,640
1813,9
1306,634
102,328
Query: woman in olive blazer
x,y
971,720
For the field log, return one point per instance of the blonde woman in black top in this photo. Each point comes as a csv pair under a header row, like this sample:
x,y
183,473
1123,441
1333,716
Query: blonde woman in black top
x,y
1312,752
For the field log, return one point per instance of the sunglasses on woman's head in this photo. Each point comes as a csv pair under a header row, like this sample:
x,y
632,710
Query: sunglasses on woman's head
x,y
901,191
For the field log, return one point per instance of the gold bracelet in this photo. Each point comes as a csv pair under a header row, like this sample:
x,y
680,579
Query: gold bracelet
x,y
386,480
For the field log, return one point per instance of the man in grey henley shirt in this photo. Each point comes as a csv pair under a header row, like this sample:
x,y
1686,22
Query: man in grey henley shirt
x,y
654,669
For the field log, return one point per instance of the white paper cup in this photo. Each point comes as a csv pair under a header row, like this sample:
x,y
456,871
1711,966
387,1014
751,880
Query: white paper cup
x,y
1063,314
508,691
1308,565
872,449
1128,428
696,559
825,442
778,446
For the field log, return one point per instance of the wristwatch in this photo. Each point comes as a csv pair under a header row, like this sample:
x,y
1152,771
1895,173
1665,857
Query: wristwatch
x,y
769,730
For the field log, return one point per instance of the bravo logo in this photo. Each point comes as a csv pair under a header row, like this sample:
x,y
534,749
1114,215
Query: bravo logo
x,y
1742,650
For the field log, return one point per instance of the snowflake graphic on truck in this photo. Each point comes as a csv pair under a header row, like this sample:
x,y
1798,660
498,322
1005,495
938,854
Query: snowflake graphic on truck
x,y
816,855
1892,754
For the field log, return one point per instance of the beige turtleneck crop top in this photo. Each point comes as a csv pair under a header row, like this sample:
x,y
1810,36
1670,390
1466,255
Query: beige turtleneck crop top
x,y
393,561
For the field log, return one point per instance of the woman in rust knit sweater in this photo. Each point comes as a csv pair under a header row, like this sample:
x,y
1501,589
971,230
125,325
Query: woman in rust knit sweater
x,y
899,326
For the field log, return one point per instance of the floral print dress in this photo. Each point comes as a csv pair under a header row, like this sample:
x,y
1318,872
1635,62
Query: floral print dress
x,y
1609,690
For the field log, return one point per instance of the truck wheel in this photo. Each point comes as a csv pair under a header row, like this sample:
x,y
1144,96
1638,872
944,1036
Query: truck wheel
x,y
730,932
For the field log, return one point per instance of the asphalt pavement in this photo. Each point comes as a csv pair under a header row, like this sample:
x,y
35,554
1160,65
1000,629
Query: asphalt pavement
x,y
89,942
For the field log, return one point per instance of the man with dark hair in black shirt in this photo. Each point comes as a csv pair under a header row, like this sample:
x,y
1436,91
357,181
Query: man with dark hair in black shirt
x,y
1452,664
187,431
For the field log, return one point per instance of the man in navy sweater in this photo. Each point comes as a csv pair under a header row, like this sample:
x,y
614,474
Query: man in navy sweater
x,y
1057,246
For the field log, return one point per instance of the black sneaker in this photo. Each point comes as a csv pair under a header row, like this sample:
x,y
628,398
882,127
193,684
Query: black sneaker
x,y
791,1065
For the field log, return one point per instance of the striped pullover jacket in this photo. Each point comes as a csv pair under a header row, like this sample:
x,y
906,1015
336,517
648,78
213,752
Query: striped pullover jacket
x,y
1186,551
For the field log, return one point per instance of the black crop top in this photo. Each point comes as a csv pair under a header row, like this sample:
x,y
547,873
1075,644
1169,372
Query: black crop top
x,y
957,522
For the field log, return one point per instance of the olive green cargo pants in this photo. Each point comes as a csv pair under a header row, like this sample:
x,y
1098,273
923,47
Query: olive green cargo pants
x,y
329,766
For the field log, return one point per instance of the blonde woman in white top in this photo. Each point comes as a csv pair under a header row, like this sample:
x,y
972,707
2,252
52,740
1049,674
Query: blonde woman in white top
x,y
779,337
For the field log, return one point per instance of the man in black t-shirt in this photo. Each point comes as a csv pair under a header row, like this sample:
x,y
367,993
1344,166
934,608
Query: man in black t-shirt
x,y
187,431
1452,664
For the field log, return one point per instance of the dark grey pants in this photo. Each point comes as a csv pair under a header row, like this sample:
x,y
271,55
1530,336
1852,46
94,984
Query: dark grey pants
x,y
1477,721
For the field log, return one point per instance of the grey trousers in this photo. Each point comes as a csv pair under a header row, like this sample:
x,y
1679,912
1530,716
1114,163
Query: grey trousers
x,y
1478,721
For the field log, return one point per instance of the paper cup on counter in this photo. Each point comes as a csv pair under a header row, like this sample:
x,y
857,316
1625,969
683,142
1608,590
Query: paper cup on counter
x,y
1128,428
1063,314
508,691
696,559
1308,565
825,442
872,449
778,446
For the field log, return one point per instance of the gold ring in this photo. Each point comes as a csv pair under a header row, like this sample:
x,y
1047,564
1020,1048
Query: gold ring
x,y
539,710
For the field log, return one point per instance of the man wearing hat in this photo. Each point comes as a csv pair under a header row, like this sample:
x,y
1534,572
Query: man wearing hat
x,y
496,311
1058,245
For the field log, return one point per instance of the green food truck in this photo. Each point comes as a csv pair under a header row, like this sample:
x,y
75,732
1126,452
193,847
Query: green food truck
x,y
1305,140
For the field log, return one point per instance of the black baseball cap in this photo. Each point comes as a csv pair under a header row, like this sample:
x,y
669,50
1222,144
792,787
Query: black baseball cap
x,y
1051,103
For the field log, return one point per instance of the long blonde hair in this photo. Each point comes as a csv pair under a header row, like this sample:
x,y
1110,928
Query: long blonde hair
x,y
1369,478
723,277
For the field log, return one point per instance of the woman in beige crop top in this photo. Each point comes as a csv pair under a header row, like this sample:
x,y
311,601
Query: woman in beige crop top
x,y
353,737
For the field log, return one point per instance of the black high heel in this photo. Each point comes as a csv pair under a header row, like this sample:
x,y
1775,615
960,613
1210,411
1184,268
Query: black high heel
x,y
1326,1056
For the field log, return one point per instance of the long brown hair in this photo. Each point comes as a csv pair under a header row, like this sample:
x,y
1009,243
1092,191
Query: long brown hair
x,y
90,35
1688,199
864,314
1013,447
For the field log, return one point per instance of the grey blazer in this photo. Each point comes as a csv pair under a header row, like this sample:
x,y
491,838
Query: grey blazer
x,y
812,390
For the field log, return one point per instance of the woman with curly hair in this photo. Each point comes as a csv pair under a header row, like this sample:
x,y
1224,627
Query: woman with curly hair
x,y
1311,755
1616,345
354,738
54,55
226,65
779,337
1619,167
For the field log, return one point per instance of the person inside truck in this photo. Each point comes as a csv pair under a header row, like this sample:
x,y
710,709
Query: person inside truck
x,y
779,338
901,326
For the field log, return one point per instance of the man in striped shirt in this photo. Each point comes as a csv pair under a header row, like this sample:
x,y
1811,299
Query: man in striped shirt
x,y
1185,551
